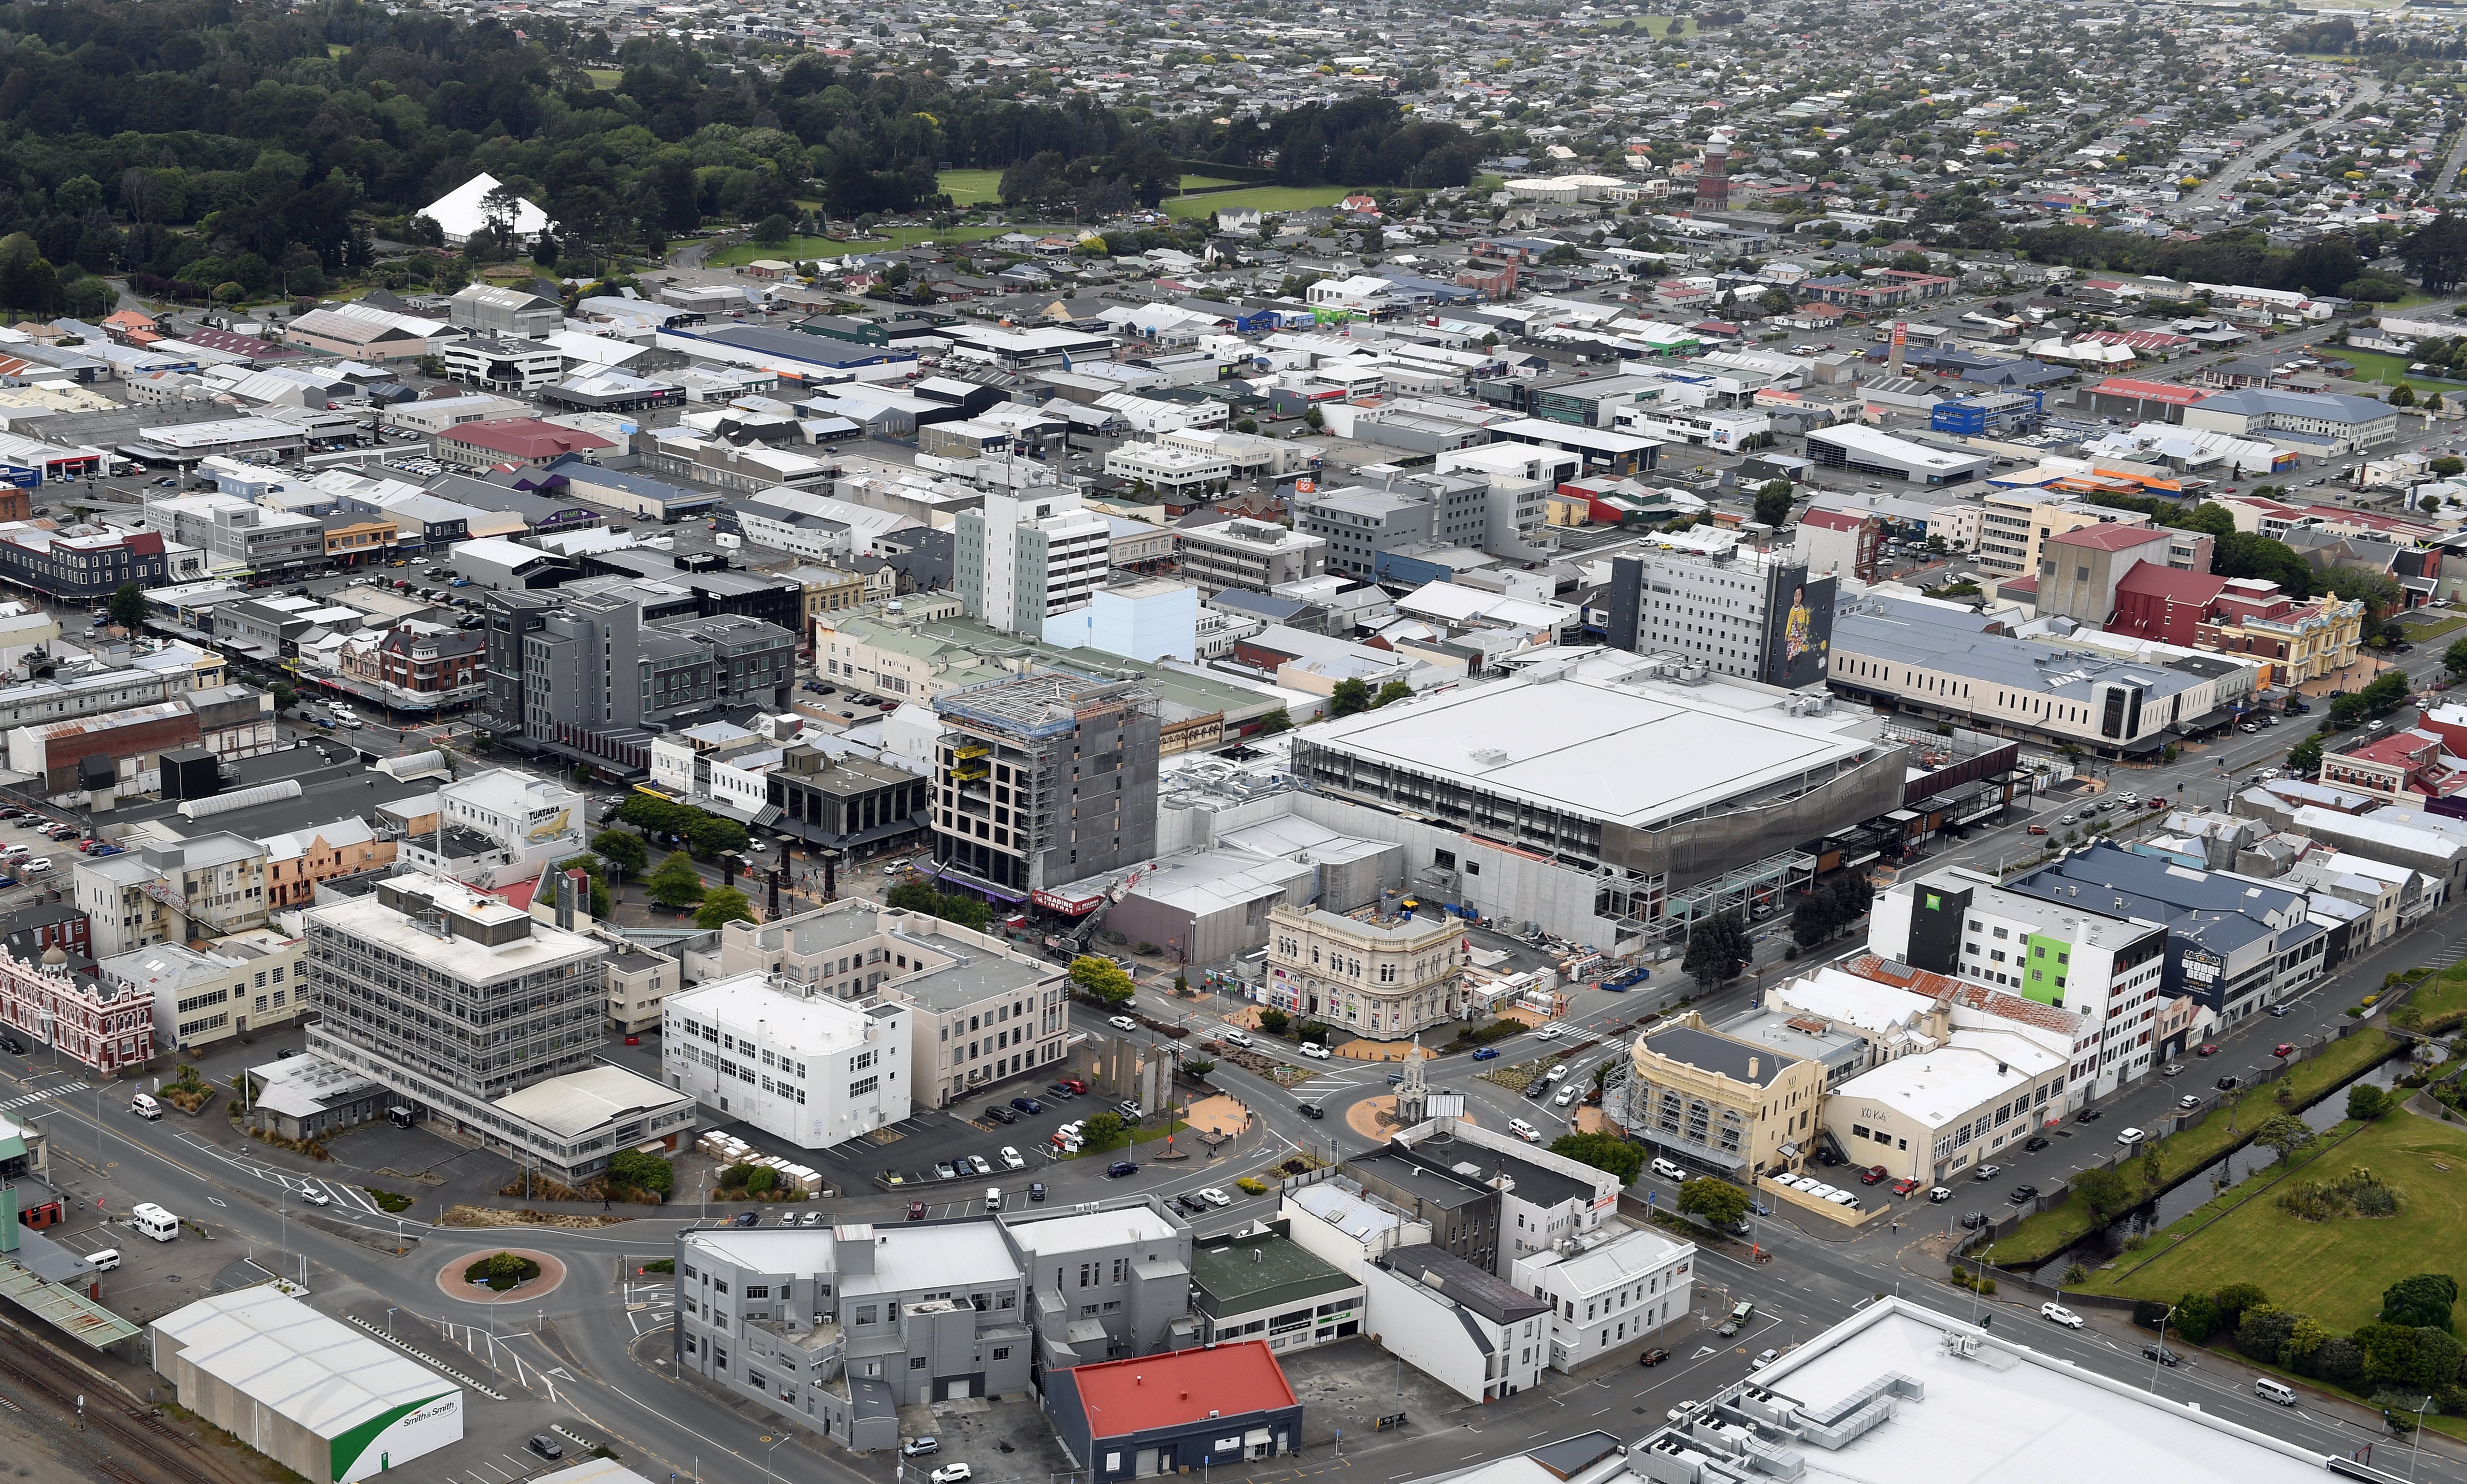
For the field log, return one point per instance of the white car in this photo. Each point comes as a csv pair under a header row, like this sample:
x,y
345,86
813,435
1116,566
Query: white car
x,y
1566,1095
315,1196
2129,1137
1763,1360
1669,1171
1525,1131
1122,1023
1549,1032
950,1473
2061,1314
1555,1072
1676,1413
1315,1051
1214,1197
1011,1159
1234,1038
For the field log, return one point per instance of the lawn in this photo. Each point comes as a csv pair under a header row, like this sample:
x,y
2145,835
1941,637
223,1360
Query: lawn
x,y
1203,181
970,188
2334,1270
1267,198
883,240
2433,628
2387,370
2044,1235
604,77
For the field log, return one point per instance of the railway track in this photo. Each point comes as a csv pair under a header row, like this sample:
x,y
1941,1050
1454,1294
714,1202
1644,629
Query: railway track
x,y
120,1442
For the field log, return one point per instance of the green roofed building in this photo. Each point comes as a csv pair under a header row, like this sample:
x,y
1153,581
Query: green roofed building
x,y
330,1401
1266,1287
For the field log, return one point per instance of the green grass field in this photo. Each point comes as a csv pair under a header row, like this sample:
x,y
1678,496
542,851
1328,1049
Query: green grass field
x,y
2044,1235
883,240
2389,371
604,77
1203,181
2334,1270
1267,198
970,188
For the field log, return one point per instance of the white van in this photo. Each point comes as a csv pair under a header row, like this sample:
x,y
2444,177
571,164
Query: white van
x,y
145,1107
103,1261
993,1198
2277,1391
1525,1131
152,1221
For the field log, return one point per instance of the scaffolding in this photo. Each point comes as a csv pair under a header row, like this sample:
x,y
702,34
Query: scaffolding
x,y
1763,884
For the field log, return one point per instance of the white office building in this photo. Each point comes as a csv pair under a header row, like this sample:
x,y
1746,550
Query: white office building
x,y
1027,555
815,1070
1608,1291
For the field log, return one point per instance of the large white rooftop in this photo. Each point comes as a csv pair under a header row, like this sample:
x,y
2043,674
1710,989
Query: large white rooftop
x,y
789,1021
1091,1229
1936,1088
1596,736
286,1357
2008,1414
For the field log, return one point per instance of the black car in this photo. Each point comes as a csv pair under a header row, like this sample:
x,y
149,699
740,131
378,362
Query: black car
x,y
1001,1114
546,1446
748,1219
13,1046
2090,1115
2228,1084
1310,1109
1037,1190
1539,1090
2024,1195
2161,1354
1028,1105
1973,1220
1120,1168
2036,1142
1190,1204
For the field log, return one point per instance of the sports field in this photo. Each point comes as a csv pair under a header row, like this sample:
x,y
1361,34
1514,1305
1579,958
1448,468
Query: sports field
x,y
1267,198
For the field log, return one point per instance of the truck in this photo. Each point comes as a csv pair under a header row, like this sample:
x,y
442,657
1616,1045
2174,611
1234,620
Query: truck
x,y
149,1220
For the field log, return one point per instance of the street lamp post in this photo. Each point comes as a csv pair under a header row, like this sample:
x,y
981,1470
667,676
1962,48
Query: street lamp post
x,y
2162,1349
2418,1451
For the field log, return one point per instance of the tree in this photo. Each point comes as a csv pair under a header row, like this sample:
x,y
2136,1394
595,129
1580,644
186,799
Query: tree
x,y
714,835
1717,1202
2305,758
643,1171
2436,253
2365,1102
2108,1191
773,230
1717,947
2422,1301
128,606
2197,1317
1774,503
1102,979
676,883
1349,698
2455,658
2448,465
1393,690
2231,1300
1280,720
625,853
1605,1152
284,696
723,905
1103,1129
1273,1021
2284,1132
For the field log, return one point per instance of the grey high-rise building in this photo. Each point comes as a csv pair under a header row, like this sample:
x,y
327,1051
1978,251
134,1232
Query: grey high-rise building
x,y
1042,780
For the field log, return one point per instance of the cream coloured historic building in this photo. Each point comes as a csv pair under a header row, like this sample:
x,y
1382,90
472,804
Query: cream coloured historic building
x,y
1384,978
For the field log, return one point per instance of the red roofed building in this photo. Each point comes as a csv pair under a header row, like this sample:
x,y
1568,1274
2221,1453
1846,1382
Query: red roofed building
x,y
2142,401
1160,1414
2080,570
1840,543
2408,762
2304,640
2163,604
515,440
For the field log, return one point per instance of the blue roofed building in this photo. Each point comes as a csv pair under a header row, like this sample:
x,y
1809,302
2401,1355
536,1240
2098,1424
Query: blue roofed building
x,y
2236,944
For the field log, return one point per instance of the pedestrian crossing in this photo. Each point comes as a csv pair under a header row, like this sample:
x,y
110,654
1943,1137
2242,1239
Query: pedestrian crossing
x,y
78,1086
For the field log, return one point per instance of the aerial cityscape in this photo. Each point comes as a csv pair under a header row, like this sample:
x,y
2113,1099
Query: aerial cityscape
x,y
977,743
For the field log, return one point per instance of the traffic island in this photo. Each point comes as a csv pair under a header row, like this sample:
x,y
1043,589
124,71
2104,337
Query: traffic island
x,y
479,1276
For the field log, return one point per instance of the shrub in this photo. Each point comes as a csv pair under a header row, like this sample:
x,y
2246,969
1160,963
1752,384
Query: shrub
x,y
643,1171
2197,1317
761,1179
501,1270
2264,1333
1249,1187
2149,1312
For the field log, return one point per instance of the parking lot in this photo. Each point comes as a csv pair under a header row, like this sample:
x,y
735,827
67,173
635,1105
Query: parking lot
x,y
35,853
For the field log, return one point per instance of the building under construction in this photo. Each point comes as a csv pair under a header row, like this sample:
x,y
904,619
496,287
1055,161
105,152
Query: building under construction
x,y
1041,779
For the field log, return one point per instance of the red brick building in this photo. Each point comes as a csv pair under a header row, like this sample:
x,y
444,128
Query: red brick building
x,y
515,440
102,1027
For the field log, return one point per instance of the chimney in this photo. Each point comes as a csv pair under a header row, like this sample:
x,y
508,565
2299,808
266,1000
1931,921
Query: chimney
x,y
1751,1067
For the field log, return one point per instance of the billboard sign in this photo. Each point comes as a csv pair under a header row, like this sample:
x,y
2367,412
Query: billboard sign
x,y
1799,628
19,477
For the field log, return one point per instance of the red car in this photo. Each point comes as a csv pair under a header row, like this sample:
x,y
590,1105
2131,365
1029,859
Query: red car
x,y
2207,1048
1903,1187
2158,804
917,1210
1077,1086
1872,1175
2283,1048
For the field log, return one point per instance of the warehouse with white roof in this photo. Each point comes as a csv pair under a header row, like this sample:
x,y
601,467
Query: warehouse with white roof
x,y
324,1400
1925,1116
